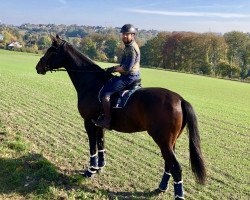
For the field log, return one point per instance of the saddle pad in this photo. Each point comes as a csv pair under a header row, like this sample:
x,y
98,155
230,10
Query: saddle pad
x,y
124,97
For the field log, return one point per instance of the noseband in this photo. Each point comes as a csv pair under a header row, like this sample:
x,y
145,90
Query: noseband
x,y
47,67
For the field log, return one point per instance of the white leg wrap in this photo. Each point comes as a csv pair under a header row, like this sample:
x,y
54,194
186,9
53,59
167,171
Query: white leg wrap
x,y
178,182
179,197
93,172
167,173
93,167
93,155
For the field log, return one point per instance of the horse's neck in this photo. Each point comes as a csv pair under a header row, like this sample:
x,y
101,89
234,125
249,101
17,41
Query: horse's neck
x,y
81,72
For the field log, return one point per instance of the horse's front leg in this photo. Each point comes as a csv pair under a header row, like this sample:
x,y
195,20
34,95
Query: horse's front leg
x,y
92,135
101,149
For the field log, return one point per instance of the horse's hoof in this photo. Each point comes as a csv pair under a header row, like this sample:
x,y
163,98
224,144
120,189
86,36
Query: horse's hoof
x,y
89,173
100,170
158,191
162,190
101,163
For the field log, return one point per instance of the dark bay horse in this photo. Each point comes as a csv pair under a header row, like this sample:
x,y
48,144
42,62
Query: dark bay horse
x,y
160,112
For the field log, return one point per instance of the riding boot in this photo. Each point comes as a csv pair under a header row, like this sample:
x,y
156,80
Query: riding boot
x,y
105,121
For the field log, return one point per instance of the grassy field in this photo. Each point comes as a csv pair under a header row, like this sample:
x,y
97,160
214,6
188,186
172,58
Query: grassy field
x,y
43,145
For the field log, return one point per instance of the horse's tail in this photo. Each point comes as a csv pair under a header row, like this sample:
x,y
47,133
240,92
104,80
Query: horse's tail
x,y
196,158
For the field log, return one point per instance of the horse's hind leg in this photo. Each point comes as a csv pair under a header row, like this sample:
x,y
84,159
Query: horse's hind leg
x,y
167,155
167,151
177,175
172,166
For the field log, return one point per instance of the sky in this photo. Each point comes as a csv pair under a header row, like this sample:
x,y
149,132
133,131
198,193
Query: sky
x,y
164,15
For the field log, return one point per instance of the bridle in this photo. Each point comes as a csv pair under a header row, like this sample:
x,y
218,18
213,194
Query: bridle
x,y
51,69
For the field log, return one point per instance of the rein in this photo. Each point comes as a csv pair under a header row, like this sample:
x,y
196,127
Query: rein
x,y
75,70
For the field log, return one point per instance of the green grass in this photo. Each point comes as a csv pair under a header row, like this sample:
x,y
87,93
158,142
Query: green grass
x,y
43,144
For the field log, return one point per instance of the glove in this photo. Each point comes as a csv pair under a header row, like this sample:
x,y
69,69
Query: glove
x,y
110,69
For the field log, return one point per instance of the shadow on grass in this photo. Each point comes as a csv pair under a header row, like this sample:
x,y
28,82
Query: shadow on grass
x,y
32,173
135,195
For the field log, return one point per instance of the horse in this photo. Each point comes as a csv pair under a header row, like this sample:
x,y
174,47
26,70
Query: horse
x,y
162,113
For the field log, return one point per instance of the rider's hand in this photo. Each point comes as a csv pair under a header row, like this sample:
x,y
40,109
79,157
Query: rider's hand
x,y
110,69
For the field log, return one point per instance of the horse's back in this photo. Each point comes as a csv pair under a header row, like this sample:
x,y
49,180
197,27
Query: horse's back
x,y
148,107
156,95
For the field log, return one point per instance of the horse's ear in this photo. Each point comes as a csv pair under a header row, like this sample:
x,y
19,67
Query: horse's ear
x,y
55,39
52,37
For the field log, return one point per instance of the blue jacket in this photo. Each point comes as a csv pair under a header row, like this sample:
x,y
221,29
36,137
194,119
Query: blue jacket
x,y
131,60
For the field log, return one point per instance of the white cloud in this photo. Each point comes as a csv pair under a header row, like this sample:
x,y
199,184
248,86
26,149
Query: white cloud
x,y
216,6
62,1
190,14
148,5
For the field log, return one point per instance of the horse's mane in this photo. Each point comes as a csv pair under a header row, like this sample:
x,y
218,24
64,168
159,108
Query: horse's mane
x,y
82,59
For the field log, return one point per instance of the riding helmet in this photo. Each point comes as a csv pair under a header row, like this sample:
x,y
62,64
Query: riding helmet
x,y
128,28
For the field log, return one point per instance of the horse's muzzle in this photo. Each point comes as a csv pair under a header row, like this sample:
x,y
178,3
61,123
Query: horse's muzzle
x,y
40,69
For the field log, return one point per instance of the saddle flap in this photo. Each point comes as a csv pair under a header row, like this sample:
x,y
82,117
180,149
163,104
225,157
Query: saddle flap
x,y
124,97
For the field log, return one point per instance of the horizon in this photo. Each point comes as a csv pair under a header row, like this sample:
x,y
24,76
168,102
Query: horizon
x,y
170,15
138,29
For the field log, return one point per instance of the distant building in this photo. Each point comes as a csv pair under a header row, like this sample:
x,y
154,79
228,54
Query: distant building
x,y
14,45
1,37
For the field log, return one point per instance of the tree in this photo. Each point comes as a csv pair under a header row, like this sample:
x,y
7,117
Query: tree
x,y
216,50
171,51
111,48
99,41
152,51
44,42
238,51
30,39
8,37
194,52
76,42
184,51
226,69
88,47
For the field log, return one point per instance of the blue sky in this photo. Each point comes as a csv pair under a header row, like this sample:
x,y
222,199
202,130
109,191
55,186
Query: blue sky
x,y
164,15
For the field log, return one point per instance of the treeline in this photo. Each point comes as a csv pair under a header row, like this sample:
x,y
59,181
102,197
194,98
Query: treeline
x,y
99,43
211,54
206,53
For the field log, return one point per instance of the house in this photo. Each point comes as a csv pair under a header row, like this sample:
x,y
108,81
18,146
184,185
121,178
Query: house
x,y
1,37
14,45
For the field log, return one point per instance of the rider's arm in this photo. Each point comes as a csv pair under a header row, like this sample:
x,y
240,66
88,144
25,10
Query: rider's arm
x,y
119,68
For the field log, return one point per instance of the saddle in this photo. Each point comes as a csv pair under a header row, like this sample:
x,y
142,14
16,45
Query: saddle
x,y
123,96
120,99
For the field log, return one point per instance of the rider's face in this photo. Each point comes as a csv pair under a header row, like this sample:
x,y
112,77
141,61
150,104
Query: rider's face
x,y
127,37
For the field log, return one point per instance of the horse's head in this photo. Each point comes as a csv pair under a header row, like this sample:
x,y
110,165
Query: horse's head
x,y
53,58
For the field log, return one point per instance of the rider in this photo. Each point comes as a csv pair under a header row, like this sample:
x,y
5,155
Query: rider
x,y
129,69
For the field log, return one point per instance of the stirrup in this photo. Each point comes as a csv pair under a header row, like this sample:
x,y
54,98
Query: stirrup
x,y
104,123
101,116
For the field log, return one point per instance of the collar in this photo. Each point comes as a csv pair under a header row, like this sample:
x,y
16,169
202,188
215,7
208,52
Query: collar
x,y
130,44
